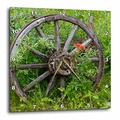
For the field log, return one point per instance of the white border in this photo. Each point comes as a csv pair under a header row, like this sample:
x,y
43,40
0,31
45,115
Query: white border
x,y
112,5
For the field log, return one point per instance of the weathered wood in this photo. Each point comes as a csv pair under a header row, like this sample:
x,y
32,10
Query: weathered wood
x,y
85,44
38,53
94,59
53,78
21,34
49,86
38,79
57,37
70,37
17,88
32,66
100,69
49,18
43,19
40,32
62,85
38,29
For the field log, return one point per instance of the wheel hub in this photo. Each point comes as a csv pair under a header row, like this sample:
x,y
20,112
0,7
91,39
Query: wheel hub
x,y
56,58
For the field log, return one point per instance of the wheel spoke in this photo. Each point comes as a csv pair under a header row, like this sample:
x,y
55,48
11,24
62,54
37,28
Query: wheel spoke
x,y
40,32
57,37
38,79
50,85
53,78
32,66
38,29
94,59
62,85
38,53
85,44
69,39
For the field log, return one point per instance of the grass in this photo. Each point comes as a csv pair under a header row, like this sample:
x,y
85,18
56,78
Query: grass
x,y
77,95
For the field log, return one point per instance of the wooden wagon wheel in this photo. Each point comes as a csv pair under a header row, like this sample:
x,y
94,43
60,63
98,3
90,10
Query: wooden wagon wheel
x,y
61,61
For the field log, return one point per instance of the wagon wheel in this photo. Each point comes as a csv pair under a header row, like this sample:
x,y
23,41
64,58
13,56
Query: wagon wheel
x,y
63,59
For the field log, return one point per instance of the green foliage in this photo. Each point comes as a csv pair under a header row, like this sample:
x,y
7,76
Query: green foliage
x,y
77,94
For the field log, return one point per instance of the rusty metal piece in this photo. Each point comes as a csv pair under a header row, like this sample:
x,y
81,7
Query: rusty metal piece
x,y
56,58
61,62
71,69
